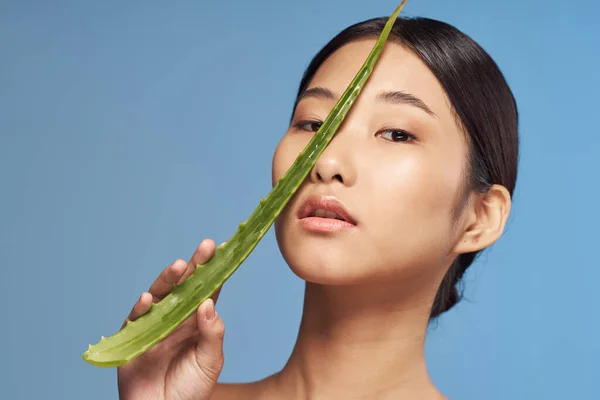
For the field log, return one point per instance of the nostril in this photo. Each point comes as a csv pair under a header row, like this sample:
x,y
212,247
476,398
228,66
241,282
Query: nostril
x,y
325,175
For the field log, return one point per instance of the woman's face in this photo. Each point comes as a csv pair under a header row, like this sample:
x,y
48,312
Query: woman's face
x,y
395,165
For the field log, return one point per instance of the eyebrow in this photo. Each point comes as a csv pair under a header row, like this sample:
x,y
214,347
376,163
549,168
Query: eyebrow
x,y
317,92
392,97
400,97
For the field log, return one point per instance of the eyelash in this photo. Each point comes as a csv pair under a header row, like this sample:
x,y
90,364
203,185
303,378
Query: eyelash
x,y
409,136
302,124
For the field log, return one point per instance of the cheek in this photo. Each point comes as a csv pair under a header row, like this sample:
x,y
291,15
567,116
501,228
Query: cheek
x,y
404,200
410,219
417,183
432,188
285,153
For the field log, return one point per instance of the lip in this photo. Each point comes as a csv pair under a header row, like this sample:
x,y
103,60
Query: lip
x,y
329,203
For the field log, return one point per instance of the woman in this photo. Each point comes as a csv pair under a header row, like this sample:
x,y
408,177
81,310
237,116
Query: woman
x,y
416,182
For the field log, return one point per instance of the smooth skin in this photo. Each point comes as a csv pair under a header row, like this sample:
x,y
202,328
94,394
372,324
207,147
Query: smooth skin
x,y
399,170
187,363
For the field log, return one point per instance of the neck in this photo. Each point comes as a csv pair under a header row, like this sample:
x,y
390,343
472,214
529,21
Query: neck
x,y
359,343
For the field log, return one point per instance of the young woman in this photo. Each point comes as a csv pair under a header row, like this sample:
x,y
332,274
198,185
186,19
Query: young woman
x,y
416,182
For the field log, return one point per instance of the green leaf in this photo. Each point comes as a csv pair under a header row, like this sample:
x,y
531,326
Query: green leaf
x,y
165,316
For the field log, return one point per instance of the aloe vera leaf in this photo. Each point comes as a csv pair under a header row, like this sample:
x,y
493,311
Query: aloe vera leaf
x,y
165,316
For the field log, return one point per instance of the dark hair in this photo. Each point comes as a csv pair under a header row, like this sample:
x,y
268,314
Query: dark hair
x,y
482,102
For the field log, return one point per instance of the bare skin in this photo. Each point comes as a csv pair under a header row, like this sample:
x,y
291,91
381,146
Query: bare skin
x,y
187,363
398,170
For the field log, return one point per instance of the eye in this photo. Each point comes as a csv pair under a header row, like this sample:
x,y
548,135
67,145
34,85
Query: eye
x,y
310,126
397,135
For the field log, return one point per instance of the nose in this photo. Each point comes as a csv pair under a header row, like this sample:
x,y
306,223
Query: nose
x,y
335,163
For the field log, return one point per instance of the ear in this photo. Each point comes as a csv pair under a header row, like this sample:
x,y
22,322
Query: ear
x,y
485,221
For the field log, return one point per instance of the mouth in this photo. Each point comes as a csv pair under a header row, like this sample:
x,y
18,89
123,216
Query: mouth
x,y
325,208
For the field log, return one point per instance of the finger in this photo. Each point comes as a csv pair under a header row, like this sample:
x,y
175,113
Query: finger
x,y
215,295
139,308
167,278
203,253
209,350
217,292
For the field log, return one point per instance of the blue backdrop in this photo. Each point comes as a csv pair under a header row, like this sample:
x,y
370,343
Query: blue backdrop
x,y
129,131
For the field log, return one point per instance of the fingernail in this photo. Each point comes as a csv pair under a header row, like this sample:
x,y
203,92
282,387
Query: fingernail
x,y
210,311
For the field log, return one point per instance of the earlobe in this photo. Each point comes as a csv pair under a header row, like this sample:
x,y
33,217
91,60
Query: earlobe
x,y
486,220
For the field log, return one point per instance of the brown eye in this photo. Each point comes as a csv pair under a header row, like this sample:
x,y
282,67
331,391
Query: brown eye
x,y
311,126
397,135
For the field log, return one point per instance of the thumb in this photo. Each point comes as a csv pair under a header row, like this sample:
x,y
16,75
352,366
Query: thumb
x,y
209,350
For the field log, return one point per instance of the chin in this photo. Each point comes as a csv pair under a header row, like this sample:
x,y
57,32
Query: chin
x,y
320,274
316,258
322,259
323,272
349,257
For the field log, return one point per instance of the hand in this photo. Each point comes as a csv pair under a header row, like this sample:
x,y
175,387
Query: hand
x,y
187,363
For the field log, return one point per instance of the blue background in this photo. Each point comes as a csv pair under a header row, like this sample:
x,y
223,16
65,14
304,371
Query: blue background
x,y
129,131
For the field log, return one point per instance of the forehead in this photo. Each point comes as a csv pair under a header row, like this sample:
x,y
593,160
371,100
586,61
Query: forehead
x,y
397,69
